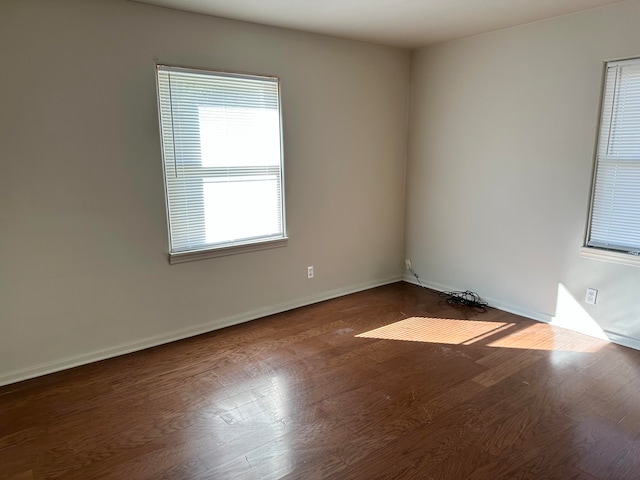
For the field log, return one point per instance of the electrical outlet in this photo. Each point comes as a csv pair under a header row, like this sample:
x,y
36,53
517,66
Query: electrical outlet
x,y
407,263
592,294
310,271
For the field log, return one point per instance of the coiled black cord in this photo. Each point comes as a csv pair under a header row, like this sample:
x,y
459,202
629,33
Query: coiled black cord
x,y
465,299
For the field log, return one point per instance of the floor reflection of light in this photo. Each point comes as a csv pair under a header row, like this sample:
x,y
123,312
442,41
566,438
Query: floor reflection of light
x,y
492,334
275,456
280,398
260,404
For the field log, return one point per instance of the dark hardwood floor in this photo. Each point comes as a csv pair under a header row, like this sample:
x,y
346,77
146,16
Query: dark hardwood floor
x,y
388,383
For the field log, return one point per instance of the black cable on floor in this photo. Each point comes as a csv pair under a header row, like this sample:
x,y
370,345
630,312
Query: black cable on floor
x,y
465,299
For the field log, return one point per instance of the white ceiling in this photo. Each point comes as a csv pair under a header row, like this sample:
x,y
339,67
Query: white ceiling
x,y
402,23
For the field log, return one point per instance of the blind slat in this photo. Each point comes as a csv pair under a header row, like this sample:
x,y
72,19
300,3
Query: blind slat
x,y
615,211
221,142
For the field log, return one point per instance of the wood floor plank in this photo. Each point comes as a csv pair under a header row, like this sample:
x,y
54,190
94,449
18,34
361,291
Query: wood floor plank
x,y
505,369
389,383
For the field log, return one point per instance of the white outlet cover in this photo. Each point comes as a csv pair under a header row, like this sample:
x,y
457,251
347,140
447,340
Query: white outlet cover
x,y
591,296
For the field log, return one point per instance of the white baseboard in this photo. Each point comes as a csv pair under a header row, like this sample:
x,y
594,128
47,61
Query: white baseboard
x,y
493,302
614,337
623,340
56,366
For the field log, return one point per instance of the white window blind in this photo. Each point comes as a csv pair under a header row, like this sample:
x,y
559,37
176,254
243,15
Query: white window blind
x,y
615,209
221,142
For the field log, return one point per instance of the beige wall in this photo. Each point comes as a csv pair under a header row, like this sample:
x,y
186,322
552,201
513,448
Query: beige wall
x,y
501,139
83,268
502,134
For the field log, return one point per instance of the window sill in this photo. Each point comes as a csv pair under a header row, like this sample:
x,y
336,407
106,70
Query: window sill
x,y
620,258
224,251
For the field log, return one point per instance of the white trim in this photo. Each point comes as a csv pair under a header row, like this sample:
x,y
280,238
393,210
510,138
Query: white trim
x,y
56,366
621,258
626,61
614,337
221,73
623,340
541,317
227,250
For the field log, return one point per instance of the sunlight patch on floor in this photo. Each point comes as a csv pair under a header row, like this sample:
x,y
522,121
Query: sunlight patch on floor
x,y
546,337
435,330
492,334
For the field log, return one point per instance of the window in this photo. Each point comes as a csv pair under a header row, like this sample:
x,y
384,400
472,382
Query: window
x,y
222,157
615,204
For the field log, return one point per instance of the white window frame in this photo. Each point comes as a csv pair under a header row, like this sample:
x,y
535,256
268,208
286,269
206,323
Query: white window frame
x,y
199,248
612,164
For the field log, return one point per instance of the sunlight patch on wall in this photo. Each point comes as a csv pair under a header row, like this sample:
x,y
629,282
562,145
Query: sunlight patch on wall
x,y
571,315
